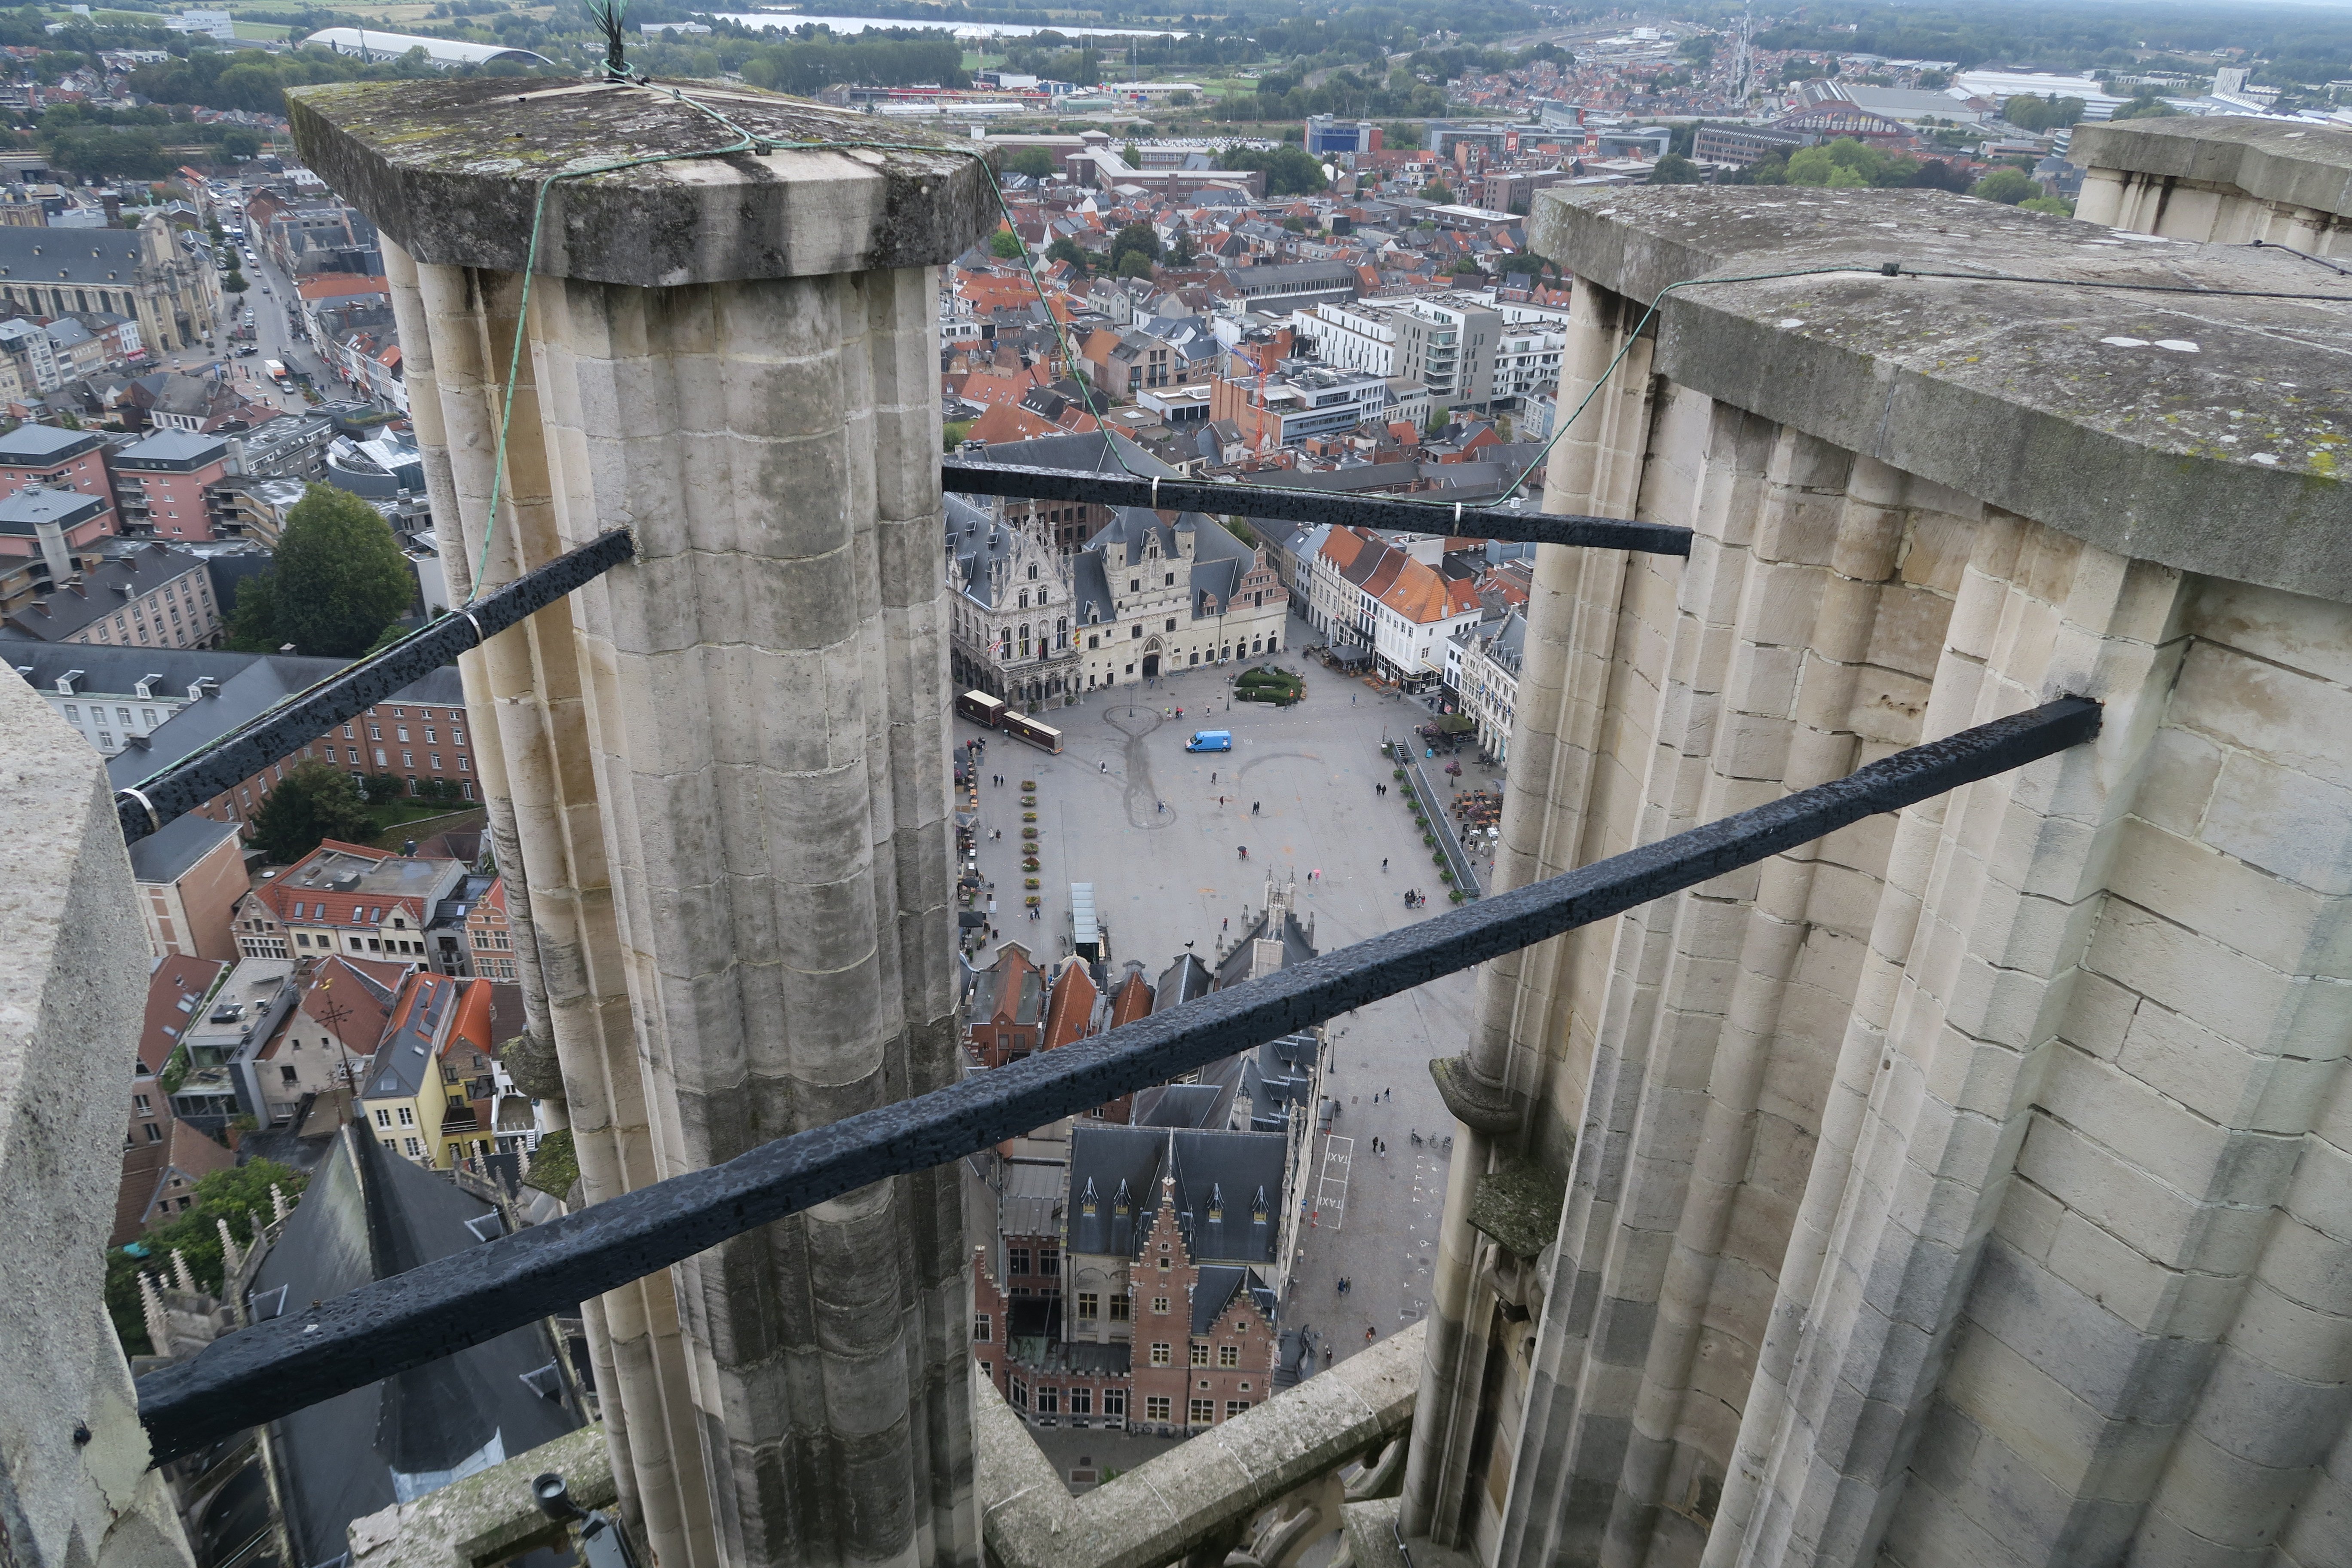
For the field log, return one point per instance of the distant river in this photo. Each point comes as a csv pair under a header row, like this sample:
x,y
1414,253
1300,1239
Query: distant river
x,y
791,19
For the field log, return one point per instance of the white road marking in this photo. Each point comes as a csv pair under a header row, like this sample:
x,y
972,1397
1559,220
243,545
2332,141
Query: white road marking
x,y
1330,1207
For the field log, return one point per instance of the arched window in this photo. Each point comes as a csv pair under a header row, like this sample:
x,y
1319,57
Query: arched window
x,y
1062,632
1032,571
1024,598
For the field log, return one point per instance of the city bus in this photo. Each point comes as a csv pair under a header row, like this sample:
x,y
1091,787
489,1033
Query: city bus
x,y
980,708
1044,737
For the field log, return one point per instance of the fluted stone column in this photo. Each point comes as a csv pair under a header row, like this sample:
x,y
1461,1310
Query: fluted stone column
x,y
1555,749
721,773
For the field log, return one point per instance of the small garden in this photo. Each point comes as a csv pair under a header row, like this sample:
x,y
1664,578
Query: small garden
x,y
1267,683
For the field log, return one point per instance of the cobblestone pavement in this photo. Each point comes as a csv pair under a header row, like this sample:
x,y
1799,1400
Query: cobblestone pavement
x,y
1157,830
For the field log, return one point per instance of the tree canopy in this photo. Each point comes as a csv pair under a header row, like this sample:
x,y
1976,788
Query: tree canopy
x,y
240,1196
2050,113
1289,171
2008,186
1135,240
340,577
313,801
1004,245
1673,169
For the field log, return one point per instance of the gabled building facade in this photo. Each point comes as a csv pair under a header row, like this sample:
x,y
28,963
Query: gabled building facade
x,y
1156,596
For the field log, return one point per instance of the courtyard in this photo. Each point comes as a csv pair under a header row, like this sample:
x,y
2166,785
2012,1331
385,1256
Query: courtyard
x,y
1158,831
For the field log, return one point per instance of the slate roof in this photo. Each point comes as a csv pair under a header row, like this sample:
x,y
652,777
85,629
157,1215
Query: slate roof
x,y
1096,452
39,445
368,1214
1183,980
1239,963
23,514
1218,560
258,684
69,255
165,856
1227,1190
1181,1105
179,451
69,610
1214,1290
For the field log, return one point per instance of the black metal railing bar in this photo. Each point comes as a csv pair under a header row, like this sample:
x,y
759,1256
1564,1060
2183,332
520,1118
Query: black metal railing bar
x,y
273,1368
229,761
1284,505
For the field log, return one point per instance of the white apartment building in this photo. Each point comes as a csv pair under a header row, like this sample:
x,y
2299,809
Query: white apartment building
x,y
1482,667
1462,345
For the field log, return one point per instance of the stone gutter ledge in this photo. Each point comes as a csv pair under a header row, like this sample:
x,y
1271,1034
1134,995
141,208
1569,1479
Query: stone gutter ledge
x,y
1154,1514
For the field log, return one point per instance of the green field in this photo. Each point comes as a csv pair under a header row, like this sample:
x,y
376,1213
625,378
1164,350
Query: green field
x,y
264,31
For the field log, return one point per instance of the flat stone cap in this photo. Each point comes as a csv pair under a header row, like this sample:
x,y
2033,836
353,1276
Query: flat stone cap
x,y
2204,430
2298,163
452,170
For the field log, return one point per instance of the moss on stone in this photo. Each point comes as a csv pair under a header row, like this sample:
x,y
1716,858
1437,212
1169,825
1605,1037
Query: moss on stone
x,y
554,1165
1519,1205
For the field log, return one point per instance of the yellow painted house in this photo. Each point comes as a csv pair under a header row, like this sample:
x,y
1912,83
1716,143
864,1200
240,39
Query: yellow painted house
x,y
414,1093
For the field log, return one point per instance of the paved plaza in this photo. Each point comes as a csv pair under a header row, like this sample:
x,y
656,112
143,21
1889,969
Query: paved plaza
x,y
1157,830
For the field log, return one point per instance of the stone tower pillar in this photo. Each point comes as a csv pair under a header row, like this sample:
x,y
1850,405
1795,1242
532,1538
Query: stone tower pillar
x,y
718,778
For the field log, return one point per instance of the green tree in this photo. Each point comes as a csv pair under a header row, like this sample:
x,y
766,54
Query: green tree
x,y
2146,106
1673,169
1135,264
1289,171
1004,245
313,801
340,575
238,141
1180,250
1067,250
1135,239
1133,155
2057,206
1035,162
2008,186
233,282
2051,112
253,623
953,432
240,1196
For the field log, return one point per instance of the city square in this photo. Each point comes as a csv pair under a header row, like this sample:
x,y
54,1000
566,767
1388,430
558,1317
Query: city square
x,y
1158,831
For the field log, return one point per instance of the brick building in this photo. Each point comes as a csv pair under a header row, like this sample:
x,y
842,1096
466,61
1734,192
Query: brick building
x,y
350,899
1006,1010
1159,1319
59,460
490,936
419,737
161,481
159,598
190,878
